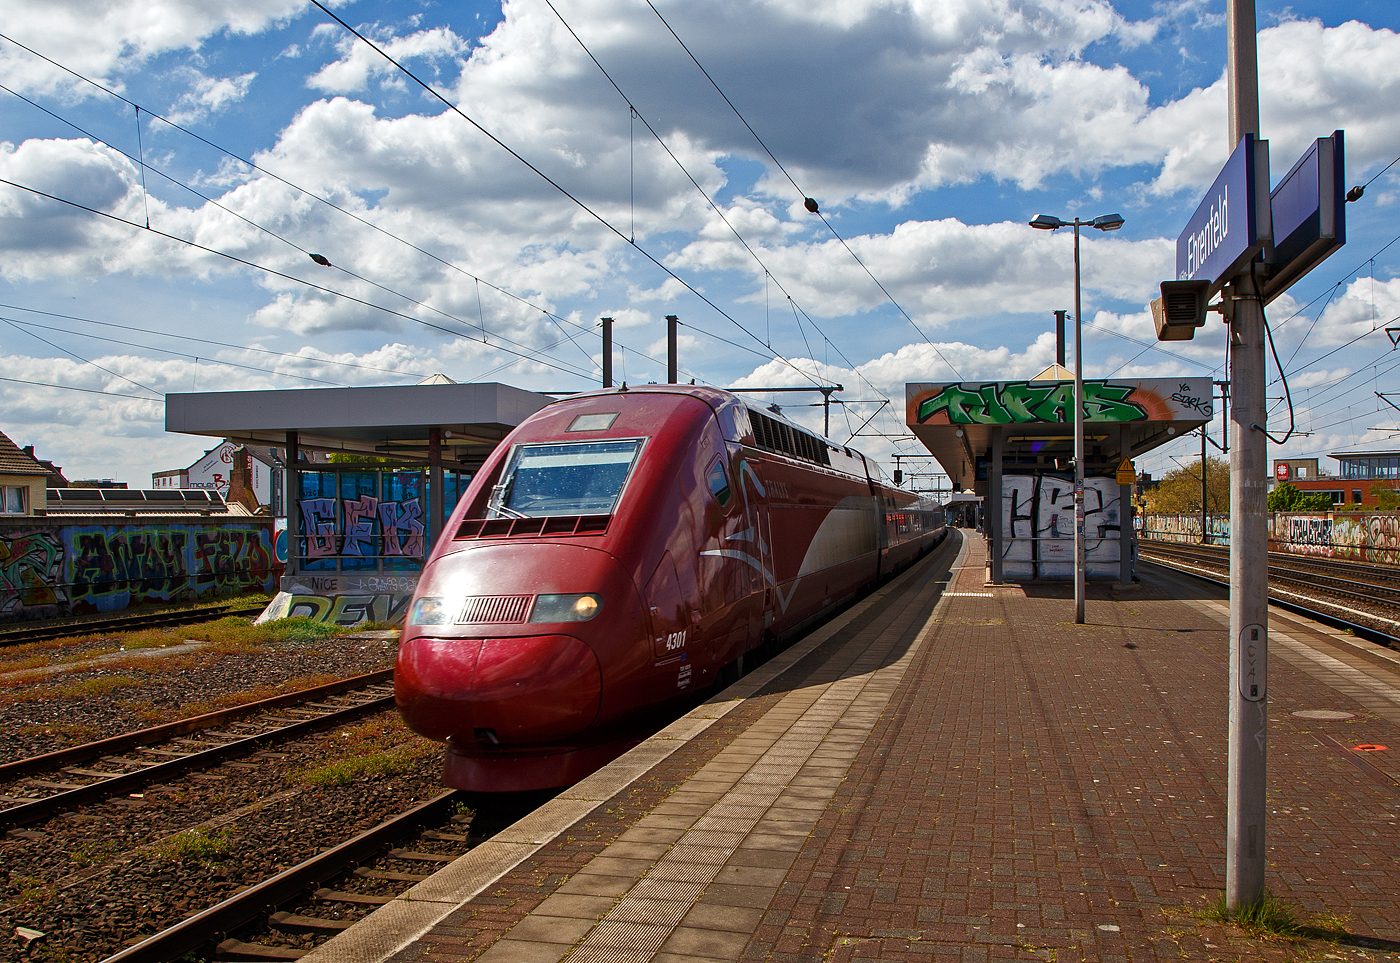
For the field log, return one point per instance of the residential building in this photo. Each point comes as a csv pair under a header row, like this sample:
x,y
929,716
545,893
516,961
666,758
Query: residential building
x,y
22,480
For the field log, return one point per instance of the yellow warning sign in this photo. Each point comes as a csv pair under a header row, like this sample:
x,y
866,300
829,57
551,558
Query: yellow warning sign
x,y
1126,473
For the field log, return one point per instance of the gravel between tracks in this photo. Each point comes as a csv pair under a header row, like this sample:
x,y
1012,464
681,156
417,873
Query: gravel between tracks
x,y
96,879
41,715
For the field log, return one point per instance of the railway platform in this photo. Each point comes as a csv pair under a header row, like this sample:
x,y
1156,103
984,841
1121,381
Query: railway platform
x,y
954,771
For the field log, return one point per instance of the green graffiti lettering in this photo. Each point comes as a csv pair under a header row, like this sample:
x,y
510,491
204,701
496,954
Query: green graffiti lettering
x,y
954,400
1057,406
1106,402
1020,398
1022,402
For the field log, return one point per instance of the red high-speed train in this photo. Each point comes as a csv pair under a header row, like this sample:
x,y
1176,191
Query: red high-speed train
x,y
620,550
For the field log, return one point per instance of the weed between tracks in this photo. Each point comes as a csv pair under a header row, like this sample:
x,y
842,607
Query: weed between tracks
x,y
197,843
366,755
223,636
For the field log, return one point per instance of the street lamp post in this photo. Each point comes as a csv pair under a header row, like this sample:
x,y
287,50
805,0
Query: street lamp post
x,y
1104,222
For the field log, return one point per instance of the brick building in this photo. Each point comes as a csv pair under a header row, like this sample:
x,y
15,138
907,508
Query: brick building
x,y
1351,484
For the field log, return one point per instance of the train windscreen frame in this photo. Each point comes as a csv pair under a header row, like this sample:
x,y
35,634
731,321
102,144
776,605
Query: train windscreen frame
x,y
564,478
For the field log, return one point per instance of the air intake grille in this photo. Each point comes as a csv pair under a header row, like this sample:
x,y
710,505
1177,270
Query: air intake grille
x,y
495,608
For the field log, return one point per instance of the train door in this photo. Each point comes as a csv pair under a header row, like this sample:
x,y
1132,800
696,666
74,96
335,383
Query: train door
x,y
770,573
670,620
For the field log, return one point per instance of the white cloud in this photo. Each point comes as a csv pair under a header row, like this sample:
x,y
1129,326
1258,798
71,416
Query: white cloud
x,y
208,95
941,271
106,38
359,63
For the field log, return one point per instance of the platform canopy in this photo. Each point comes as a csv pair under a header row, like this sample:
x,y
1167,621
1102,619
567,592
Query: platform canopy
x,y
1034,421
383,421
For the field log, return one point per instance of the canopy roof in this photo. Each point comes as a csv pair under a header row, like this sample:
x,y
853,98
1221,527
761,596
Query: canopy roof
x,y
383,421
1035,418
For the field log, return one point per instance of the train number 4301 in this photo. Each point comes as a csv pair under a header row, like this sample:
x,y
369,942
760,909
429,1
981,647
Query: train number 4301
x,y
676,640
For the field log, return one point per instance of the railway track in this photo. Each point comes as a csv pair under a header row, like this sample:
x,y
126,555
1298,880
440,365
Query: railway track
x,y
44,631
40,787
1360,597
286,914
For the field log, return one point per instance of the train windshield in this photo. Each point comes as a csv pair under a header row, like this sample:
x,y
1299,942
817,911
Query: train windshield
x,y
585,478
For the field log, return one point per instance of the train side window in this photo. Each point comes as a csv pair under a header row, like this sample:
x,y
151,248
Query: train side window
x,y
719,483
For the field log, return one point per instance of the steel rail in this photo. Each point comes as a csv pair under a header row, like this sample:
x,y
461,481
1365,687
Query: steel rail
x,y
219,919
1291,570
181,727
48,806
1381,570
1367,632
41,632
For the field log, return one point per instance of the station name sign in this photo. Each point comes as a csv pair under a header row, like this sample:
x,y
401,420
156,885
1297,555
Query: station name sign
x,y
1232,224
1309,214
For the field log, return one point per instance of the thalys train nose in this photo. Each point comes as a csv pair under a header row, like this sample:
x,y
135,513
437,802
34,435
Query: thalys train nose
x,y
528,689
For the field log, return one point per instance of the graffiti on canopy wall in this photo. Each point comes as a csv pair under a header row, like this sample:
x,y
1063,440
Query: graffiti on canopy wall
x,y
1120,401
1038,518
1018,402
366,527
75,569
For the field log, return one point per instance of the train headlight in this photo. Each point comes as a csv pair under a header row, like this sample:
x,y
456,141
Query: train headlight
x,y
431,611
565,608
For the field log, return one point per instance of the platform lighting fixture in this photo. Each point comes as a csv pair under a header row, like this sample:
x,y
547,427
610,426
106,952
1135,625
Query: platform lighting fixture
x,y
1104,222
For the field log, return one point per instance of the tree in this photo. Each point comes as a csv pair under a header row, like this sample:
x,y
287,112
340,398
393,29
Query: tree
x,y
1387,498
1179,492
1288,498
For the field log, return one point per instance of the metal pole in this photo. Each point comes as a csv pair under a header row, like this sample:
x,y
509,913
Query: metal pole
x,y
1060,338
607,352
1205,519
291,480
995,513
1078,441
672,369
436,500
1249,605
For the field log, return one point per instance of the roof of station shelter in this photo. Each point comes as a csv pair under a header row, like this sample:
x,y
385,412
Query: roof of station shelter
x,y
381,421
1123,418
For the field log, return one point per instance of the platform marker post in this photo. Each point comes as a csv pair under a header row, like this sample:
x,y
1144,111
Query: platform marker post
x,y
1249,606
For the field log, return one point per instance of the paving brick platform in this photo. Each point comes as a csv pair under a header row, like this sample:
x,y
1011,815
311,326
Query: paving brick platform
x,y
952,771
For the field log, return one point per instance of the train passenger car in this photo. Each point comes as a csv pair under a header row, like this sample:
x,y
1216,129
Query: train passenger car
x,y
619,551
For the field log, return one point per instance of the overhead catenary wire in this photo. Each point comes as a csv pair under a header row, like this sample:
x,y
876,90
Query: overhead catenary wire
x,y
547,179
810,204
221,344
91,391
181,354
274,176
634,113
276,273
82,359
271,233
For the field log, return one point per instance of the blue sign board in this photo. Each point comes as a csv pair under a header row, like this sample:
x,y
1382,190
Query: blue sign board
x,y
1309,211
1232,225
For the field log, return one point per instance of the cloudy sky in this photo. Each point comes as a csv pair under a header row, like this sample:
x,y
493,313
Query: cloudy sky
x,y
253,133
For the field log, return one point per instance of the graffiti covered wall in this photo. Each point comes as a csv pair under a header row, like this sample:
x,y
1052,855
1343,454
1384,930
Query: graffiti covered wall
x,y
1186,528
57,570
1038,518
1361,536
